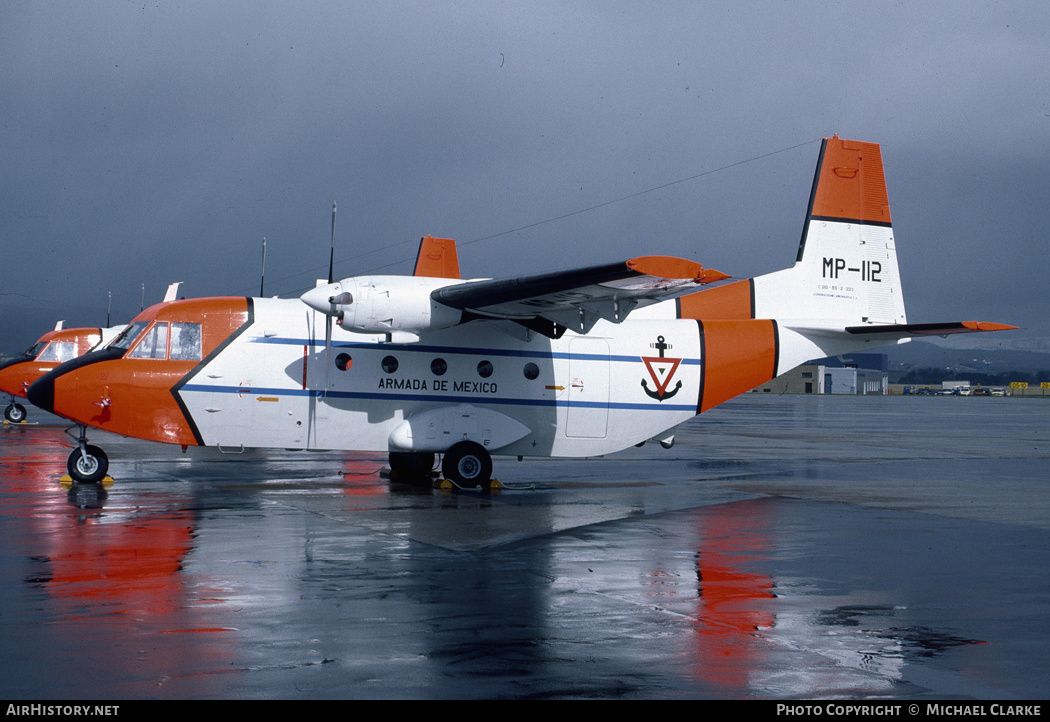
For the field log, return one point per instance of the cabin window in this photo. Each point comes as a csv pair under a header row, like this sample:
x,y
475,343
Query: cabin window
x,y
185,341
154,343
343,361
531,371
485,369
390,364
438,367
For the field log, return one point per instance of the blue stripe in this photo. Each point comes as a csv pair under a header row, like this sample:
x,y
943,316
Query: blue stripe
x,y
363,396
420,348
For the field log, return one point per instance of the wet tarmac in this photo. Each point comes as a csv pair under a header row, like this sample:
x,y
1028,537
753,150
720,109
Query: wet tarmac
x,y
785,548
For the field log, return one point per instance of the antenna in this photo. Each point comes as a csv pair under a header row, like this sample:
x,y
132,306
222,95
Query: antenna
x,y
142,303
108,309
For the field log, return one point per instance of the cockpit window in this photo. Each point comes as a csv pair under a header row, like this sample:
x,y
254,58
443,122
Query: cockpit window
x,y
128,336
59,351
33,351
185,341
154,343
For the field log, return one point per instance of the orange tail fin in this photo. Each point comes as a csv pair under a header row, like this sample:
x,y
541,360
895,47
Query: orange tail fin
x,y
437,258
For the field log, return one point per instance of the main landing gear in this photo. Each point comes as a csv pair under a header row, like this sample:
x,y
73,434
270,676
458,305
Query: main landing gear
x,y
87,464
15,413
466,464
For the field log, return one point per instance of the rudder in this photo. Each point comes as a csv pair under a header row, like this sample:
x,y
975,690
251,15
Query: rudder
x,y
846,266
437,258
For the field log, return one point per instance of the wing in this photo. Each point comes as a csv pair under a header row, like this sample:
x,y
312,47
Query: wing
x,y
577,298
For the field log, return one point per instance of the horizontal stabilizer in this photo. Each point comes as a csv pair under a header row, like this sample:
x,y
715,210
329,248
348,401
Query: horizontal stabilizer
x,y
904,330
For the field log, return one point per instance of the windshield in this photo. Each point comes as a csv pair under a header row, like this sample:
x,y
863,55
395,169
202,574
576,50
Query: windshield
x,y
128,336
33,351
59,351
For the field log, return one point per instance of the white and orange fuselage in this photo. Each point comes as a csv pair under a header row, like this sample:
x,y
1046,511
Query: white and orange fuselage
x,y
265,378
575,363
51,350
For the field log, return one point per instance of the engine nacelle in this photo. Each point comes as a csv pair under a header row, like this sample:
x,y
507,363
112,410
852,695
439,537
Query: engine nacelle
x,y
384,304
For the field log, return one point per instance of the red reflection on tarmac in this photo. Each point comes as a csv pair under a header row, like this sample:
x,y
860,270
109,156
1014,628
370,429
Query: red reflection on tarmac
x,y
102,565
30,458
734,542
103,559
361,472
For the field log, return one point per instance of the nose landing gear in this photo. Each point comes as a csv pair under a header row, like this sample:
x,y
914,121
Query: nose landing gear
x,y
15,413
87,464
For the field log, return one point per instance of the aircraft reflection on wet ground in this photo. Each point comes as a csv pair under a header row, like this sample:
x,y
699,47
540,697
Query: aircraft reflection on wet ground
x,y
784,548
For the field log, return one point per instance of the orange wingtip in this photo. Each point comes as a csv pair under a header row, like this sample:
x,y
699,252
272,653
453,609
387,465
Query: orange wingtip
x,y
988,326
671,267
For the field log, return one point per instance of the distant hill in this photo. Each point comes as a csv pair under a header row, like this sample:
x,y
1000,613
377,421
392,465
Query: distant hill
x,y
924,353
1004,364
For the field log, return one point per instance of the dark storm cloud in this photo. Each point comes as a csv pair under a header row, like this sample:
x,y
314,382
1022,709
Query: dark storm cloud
x,y
148,143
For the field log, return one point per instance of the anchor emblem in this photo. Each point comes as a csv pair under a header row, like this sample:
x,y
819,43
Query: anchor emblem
x,y
661,370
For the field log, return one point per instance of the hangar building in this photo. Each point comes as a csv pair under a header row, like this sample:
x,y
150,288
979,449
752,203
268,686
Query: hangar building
x,y
859,373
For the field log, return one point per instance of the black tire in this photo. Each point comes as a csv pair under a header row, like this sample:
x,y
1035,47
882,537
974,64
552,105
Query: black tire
x,y
90,469
409,466
15,413
467,464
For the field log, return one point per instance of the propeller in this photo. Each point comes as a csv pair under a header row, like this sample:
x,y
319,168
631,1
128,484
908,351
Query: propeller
x,y
332,307
327,299
331,255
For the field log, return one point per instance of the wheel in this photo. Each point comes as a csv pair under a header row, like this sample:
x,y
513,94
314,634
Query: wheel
x,y
467,464
15,413
88,467
408,466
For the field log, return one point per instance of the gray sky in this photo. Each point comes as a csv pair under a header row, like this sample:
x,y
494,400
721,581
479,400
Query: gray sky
x,y
150,142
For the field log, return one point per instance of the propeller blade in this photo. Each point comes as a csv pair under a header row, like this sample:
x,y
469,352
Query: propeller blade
x,y
331,256
327,346
262,281
328,316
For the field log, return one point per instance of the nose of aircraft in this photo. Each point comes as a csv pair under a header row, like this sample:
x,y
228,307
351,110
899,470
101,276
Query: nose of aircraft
x,y
322,297
41,393
10,379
